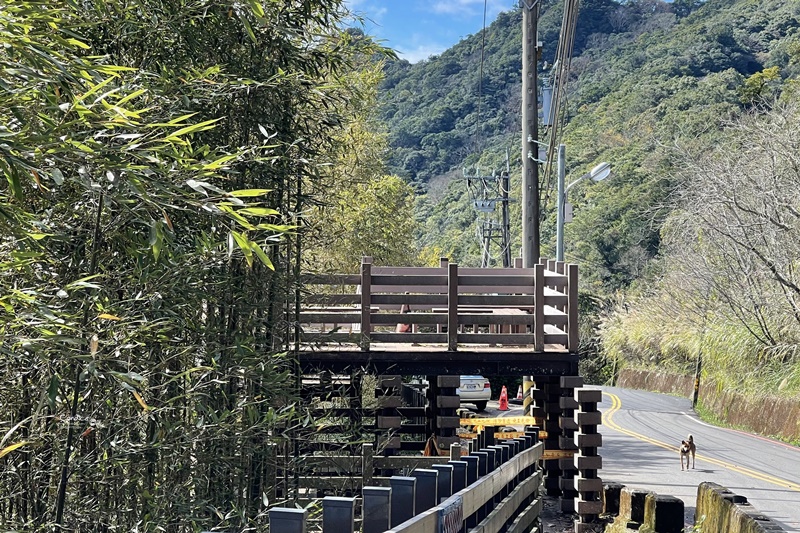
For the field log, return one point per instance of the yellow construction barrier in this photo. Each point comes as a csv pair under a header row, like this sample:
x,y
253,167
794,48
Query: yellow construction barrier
x,y
557,454
502,435
502,421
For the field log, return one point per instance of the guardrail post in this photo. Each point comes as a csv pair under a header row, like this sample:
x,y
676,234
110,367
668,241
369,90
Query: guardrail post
x,y
377,509
286,520
366,302
491,459
538,308
488,432
338,514
403,489
573,340
459,474
452,307
483,461
425,495
473,467
444,488
588,461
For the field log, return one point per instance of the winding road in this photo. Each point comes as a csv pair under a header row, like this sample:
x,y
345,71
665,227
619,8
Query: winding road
x,y
641,435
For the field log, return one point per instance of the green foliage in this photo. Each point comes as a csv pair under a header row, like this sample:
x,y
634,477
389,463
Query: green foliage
x,y
726,287
761,86
158,158
645,77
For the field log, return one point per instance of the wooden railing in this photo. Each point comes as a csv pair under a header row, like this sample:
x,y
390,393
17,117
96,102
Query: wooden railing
x,y
445,306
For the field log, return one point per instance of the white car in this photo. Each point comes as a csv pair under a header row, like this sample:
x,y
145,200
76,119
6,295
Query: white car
x,y
476,390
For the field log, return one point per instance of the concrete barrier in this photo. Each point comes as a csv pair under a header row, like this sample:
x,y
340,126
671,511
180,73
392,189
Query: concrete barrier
x,y
719,509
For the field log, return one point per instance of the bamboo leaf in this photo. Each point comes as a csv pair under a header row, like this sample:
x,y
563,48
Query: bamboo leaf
x,y
258,211
79,44
8,449
243,193
107,316
200,126
262,256
244,244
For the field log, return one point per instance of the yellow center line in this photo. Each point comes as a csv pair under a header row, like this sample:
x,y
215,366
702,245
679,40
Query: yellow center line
x,y
616,404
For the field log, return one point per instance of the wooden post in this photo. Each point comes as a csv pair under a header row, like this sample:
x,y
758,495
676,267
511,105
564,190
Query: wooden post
x,y
572,309
538,308
367,467
452,307
366,304
455,451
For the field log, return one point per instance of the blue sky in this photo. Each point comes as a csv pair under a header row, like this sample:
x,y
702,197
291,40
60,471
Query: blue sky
x,y
417,29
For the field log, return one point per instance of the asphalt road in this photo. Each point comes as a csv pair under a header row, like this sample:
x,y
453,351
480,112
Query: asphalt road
x,y
641,435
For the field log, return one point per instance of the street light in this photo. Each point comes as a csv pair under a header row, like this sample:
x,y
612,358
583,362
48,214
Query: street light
x,y
598,173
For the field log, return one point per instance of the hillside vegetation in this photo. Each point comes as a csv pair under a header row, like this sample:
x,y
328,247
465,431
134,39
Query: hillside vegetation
x,y
672,95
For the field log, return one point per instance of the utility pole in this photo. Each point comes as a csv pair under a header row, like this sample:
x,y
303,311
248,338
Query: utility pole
x,y
530,135
486,193
506,186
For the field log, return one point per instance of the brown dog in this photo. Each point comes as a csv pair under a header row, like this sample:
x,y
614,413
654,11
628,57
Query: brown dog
x,y
688,449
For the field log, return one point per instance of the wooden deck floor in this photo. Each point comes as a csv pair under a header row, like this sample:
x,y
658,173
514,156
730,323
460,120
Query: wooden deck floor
x,y
423,359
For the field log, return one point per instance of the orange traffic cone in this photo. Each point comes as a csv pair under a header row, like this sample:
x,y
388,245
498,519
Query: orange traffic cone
x,y
519,393
503,399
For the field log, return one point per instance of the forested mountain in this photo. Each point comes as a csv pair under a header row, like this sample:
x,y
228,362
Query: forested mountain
x,y
645,75
690,247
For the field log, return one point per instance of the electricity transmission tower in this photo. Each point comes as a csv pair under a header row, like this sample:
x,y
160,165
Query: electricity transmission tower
x,y
489,195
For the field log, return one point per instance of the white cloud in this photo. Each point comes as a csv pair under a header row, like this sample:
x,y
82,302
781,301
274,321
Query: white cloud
x,y
421,52
469,8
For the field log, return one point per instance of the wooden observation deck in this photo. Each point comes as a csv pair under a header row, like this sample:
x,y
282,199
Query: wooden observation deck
x,y
444,320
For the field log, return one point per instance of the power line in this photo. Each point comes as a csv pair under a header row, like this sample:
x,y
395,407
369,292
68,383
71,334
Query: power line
x,y
559,79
